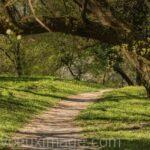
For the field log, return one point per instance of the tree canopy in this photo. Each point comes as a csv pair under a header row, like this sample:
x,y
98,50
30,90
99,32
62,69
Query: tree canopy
x,y
120,24
109,21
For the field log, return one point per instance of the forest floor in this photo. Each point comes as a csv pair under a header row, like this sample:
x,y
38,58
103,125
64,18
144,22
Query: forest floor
x,y
57,125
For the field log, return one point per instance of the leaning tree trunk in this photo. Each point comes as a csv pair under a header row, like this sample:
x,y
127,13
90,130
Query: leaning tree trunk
x,y
72,73
118,70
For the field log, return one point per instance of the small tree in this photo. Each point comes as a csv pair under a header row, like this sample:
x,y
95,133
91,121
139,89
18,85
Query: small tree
x,y
10,45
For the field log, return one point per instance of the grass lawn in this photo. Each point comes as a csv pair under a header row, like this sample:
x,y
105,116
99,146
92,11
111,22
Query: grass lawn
x,y
122,114
21,99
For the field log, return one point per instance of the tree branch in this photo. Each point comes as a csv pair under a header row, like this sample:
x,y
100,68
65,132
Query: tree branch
x,y
36,18
7,55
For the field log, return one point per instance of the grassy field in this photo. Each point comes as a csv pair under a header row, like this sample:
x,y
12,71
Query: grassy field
x,y
122,114
21,99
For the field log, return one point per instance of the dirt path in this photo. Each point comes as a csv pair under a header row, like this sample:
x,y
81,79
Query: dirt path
x,y
55,129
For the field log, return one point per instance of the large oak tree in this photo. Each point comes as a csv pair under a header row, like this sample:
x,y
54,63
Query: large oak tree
x,y
109,21
96,19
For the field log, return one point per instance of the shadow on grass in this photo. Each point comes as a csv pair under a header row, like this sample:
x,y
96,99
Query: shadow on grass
x,y
120,144
11,103
16,111
6,79
55,96
121,114
33,91
90,144
50,78
58,134
123,97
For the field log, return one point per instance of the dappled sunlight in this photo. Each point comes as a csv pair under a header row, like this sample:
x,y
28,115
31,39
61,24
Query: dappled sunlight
x,y
123,113
23,98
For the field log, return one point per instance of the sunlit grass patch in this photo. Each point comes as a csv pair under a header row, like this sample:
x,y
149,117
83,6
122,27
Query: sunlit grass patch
x,y
22,98
122,113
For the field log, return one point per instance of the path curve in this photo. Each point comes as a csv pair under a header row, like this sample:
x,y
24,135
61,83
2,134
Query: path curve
x,y
55,127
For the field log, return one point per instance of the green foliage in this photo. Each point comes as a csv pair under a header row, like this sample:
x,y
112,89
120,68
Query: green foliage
x,y
10,46
121,114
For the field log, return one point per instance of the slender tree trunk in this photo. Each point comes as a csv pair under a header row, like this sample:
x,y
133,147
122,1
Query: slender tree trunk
x,y
148,91
19,68
104,78
118,70
138,73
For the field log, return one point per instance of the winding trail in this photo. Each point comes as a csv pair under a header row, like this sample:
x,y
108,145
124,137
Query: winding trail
x,y
55,129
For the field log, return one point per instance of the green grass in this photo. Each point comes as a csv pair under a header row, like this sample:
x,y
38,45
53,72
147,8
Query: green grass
x,y
122,114
21,99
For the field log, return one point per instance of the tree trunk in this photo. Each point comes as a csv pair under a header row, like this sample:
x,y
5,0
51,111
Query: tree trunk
x,y
146,84
72,73
19,69
148,91
118,70
138,73
104,78
138,78
143,76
